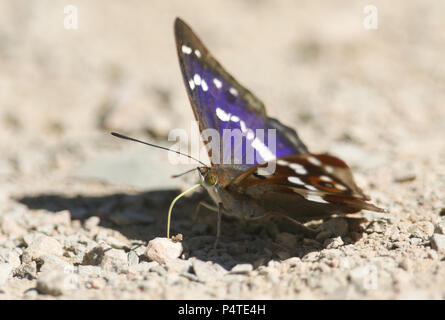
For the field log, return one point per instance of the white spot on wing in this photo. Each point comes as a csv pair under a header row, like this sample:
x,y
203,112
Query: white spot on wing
x,y
222,115
325,178
282,163
198,53
329,169
197,79
185,49
295,180
243,126
251,135
315,198
234,118
264,152
233,91
204,85
340,186
314,161
310,187
191,84
217,83
298,168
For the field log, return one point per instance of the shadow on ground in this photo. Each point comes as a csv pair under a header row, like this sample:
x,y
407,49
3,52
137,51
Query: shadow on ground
x,y
143,216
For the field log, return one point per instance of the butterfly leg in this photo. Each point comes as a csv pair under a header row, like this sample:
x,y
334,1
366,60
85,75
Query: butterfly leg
x,y
301,228
218,226
205,205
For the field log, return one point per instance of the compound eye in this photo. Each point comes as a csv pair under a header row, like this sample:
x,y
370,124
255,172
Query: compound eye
x,y
210,179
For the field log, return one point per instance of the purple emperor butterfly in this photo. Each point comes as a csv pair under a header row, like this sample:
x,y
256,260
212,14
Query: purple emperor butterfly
x,y
304,186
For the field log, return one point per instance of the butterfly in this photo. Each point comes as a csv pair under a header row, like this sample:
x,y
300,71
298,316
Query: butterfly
x,y
304,186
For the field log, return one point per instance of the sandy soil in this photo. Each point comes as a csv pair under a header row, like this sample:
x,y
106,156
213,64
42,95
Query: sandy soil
x,y
76,200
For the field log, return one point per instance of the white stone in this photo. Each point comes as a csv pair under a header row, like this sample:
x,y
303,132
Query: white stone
x,y
163,249
43,245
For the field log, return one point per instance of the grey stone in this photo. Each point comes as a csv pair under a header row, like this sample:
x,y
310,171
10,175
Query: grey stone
x,y
377,226
244,268
89,271
159,270
31,293
292,262
143,267
42,245
61,218
11,257
53,262
5,273
438,242
116,243
440,227
364,277
57,282
178,265
423,230
27,270
204,271
115,260
190,276
91,223
333,243
133,258
11,228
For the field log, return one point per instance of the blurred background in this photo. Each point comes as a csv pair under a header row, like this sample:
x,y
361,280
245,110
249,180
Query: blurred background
x,y
374,97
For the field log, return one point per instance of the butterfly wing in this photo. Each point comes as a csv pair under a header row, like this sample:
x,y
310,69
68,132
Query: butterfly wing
x,y
220,102
305,187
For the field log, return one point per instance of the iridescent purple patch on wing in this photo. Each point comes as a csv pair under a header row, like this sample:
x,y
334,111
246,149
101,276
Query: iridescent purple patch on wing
x,y
220,102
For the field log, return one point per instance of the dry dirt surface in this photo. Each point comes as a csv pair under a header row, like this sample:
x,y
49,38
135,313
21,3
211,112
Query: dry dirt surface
x,y
78,206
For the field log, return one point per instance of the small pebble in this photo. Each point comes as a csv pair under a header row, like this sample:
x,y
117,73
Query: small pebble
x,y
423,230
5,273
52,262
26,271
56,283
89,271
133,258
333,243
42,245
204,271
438,243
115,260
244,268
178,265
91,223
163,249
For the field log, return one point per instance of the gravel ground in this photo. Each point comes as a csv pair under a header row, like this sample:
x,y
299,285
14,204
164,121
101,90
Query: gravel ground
x,y
78,207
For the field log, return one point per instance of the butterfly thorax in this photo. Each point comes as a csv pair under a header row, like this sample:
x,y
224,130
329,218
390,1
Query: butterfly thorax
x,y
217,183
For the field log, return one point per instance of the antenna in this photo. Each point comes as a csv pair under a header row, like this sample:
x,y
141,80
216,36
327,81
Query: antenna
x,y
156,146
184,173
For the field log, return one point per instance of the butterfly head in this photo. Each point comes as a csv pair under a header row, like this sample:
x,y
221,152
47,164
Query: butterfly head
x,y
211,182
208,177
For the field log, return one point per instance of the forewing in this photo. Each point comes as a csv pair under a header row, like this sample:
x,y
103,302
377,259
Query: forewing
x,y
220,102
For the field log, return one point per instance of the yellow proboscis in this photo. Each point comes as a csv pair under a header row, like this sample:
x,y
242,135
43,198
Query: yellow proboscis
x,y
173,203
